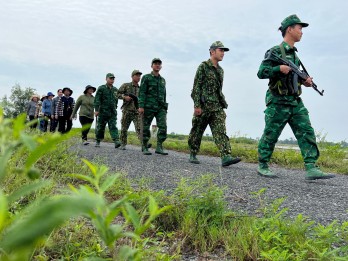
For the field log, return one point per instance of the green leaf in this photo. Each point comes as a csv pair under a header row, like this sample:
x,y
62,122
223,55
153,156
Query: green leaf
x,y
47,145
153,207
83,177
127,253
132,215
5,157
28,141
91,166
3,210
26,190
19,125
25,231
108,182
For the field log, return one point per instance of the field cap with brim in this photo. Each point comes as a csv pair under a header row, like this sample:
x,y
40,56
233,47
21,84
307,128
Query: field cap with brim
x,y
67,88
291,20
110,75
50,94
218,45
156,60
136,72
89,87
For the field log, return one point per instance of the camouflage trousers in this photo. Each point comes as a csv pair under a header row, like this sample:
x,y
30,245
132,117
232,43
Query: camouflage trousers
x,y
129,116
217,123
161,121
276,117
101,123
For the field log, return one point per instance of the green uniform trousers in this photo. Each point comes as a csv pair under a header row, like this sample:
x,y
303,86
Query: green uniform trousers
x,y
217,123
276,117
101,123
161,120
129,116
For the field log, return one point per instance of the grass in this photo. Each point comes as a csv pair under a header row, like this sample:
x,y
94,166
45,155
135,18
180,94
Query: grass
x,y
129,221
198,222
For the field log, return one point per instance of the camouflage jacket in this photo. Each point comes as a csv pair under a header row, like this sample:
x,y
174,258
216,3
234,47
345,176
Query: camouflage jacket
x,y
207,87
128,88
105,101
152,93
280,85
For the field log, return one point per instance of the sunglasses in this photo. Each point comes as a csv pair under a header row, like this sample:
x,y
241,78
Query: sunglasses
x,y
112,78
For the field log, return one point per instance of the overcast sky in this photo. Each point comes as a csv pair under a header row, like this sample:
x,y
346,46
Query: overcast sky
x,y
51,44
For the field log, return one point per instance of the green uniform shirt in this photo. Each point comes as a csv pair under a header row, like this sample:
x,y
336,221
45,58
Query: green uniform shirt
x,y
279,90
128,88
86,105
207,87
152,93
105,101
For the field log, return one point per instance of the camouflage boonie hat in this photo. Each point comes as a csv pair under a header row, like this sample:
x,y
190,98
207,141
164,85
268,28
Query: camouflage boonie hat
x,y
136,72
156,60
291,20
110,75
218,45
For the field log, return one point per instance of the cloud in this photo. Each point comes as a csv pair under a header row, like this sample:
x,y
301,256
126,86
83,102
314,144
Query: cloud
x,y
52,44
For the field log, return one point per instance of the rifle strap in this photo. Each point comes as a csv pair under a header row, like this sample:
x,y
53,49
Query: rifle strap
x,y
282,50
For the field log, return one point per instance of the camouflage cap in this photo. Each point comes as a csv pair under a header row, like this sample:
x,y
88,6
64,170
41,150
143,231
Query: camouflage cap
x,y
110,75
291,20
136,72
156,60
218,45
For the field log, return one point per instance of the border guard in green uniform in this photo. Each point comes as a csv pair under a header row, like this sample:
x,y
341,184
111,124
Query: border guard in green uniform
x,y
284,104
105,106
129,92
209,104
153,104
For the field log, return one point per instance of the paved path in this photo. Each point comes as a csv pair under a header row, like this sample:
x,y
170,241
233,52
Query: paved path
x,y
322,200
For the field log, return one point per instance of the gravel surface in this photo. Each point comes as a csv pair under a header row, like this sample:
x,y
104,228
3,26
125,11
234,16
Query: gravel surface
x,y
321,200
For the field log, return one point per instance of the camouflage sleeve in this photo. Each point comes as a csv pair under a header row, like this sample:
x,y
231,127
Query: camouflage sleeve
x,y
97,98
142,92
197,87
122,91
267,68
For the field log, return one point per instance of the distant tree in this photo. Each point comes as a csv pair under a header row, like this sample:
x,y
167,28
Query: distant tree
x,y
17,102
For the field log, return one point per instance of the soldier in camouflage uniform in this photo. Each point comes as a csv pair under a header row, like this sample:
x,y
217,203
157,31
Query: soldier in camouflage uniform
x,y
129,108
153,104
105,106
284,104
209,104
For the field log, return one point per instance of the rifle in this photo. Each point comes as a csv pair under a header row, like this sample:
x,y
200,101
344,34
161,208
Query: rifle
x,y
134,98
297,72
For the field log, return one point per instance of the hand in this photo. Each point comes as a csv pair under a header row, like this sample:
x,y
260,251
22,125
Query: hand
x,y
127,98
308,82
285,69
96,113
141,110
197,112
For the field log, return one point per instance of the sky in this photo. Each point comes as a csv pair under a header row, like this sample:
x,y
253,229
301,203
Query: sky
x,y
52,44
